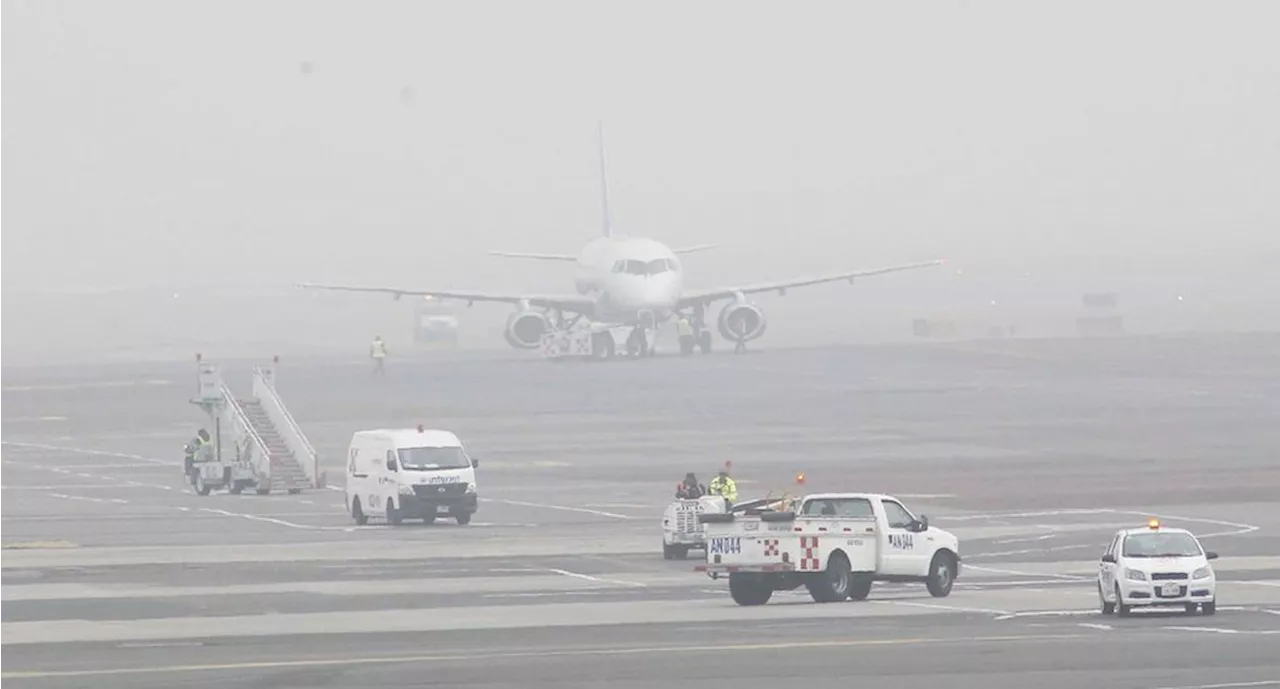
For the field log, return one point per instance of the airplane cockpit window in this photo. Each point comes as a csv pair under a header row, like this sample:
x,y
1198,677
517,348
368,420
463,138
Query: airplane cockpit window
x,y
639,267
659,265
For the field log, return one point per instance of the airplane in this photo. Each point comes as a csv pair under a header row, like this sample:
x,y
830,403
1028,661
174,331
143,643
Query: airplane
x,y
628,281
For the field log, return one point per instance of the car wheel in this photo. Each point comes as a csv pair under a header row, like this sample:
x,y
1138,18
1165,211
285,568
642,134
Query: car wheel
x,y
1107,607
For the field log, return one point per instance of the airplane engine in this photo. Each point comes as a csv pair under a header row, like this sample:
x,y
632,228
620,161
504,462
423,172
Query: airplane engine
x,y
524,329
741,321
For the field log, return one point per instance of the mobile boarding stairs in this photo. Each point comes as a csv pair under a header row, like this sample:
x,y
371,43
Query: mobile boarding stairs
x,y
255,441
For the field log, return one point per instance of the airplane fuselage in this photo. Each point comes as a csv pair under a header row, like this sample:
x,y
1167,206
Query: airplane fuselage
x,y
631,278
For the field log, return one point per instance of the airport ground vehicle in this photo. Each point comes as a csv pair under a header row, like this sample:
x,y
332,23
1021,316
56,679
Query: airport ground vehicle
x,y
834,544
410,473
594,341
682,531
1156,566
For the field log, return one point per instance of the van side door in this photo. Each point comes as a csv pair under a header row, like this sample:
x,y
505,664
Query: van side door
x,y
906,550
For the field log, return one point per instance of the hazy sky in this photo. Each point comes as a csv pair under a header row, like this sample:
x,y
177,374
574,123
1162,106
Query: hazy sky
x,y
166,143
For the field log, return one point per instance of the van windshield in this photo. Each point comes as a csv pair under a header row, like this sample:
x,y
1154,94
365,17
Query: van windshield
x,y
433,458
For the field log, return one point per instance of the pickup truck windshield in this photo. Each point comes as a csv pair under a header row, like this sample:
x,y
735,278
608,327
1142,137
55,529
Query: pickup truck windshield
x,y
1161,545
847,508
433,458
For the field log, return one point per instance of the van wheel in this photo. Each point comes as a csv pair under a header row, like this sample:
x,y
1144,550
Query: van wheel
x,y
393,515
358,514
831,586
463,518
429,520
749,588
942,575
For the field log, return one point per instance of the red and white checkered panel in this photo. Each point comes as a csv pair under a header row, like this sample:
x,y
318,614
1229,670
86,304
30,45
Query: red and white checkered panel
x,y
770,547
810,556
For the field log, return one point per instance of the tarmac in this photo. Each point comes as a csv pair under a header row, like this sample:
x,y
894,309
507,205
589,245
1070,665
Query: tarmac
x,y
1032,452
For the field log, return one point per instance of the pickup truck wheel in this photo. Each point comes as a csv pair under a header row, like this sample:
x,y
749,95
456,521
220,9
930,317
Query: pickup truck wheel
x,y
357,514
749,588
860,588
393,515
942,574
831,586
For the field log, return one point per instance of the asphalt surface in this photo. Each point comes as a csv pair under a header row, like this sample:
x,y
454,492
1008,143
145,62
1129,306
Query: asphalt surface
x,y
1032,452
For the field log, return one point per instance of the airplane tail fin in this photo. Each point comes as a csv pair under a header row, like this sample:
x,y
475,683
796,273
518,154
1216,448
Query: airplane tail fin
x,y
604,185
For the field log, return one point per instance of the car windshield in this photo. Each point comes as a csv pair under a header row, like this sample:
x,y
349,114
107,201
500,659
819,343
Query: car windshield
x,y
1161,545
432,458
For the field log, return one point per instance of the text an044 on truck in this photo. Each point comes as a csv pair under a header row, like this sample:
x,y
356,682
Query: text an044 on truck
x,y
835,544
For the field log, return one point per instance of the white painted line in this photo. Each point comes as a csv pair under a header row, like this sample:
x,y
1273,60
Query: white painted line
x,y
1229,685
624,505
1269,611
1215,630
564,508
926,496
1065,577
935,606
1018,515
1048,613
1275,584
87,451
1045,537
588,577
1089,625
161,644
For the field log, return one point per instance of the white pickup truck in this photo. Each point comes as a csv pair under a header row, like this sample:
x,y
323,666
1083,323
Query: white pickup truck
x,y
835,544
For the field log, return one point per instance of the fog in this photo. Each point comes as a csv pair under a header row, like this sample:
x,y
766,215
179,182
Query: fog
x,y
173,168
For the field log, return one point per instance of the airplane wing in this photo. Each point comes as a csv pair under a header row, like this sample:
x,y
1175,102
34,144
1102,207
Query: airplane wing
x,y
538,257
572,303
709,295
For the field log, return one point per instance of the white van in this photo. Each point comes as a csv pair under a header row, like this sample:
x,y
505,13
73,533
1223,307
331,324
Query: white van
x,y
410,474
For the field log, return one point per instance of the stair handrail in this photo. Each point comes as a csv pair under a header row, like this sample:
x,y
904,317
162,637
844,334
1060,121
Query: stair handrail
x,y
312,465
243,420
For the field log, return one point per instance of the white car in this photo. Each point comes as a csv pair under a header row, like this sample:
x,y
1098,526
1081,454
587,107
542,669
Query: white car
x,y
1156,566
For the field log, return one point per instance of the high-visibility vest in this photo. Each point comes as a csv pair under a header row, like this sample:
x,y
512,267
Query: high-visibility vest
x,y
724,487
379,349
684,329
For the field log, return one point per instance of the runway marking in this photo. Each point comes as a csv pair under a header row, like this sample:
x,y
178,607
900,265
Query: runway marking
x,y
38,545
1215,630
1065,577
588,577
926,496
1048,613
1090,625
160,644
1259,583
86,384
1006,541
1229,685
87,451
549,653
936,606
631,505
564,508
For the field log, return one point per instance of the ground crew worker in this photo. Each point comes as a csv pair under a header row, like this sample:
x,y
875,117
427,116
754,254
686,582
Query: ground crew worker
x,y
724,486
684,329
194,449
690,489
378,351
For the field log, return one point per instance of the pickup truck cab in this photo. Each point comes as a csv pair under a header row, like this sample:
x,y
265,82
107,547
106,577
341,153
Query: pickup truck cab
x,y
835,544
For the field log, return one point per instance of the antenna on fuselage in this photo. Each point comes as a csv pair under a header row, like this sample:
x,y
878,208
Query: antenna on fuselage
x,y
604,183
